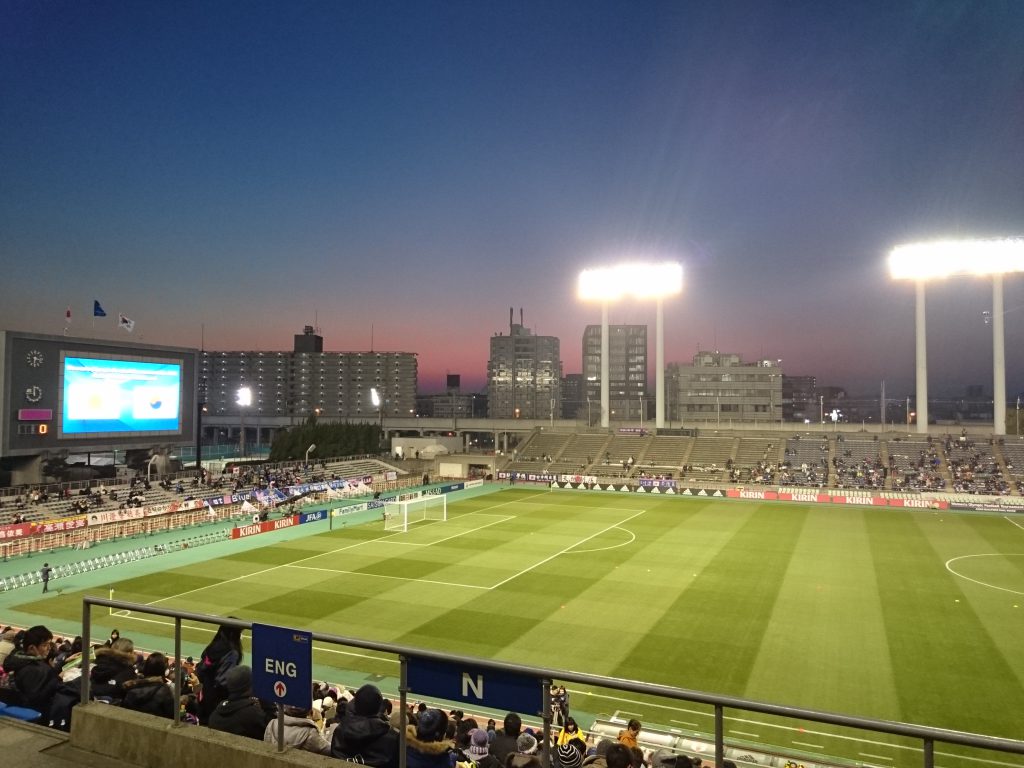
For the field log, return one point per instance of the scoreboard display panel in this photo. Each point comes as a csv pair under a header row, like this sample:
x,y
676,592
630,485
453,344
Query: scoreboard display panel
x,y
64,393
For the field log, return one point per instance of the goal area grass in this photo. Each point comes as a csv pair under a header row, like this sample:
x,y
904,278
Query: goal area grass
x,y
907,615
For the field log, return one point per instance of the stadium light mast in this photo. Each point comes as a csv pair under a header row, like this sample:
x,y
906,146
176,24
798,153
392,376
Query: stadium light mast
x,y
639,281
948,258
244,401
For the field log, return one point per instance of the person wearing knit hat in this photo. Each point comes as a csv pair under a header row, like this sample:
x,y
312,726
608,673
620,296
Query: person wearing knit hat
x,y
426,745
569,755
240,713
526,744
363,735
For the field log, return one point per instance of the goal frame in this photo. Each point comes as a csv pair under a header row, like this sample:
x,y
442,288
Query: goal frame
x,y
399,515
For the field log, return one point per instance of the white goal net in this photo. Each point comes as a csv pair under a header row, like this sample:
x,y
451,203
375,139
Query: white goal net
x,y
399,515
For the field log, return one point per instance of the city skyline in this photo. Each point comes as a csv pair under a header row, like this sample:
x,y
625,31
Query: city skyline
x,y
401,175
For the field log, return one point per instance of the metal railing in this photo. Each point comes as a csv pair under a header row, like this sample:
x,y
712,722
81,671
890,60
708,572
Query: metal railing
x,y
927,736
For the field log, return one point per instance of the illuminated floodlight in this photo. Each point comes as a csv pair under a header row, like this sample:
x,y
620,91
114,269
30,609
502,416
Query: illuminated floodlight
x,y
375,397
244,396
945,258
639,281
993,258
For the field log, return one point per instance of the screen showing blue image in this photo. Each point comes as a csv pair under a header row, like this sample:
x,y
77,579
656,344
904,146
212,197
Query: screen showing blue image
x,y
118,396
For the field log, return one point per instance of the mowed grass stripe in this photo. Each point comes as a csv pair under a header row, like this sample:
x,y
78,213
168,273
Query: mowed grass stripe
x,y
825,646
598,599
975,535
495,621
948,671
713,635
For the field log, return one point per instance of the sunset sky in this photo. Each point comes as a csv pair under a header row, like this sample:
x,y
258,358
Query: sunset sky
x,y
400,174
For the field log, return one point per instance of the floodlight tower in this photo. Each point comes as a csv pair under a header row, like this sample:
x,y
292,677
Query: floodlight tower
x,y
244,401
640,281
947,258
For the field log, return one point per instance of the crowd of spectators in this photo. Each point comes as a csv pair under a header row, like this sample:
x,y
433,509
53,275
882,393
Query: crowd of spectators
x,y
43,673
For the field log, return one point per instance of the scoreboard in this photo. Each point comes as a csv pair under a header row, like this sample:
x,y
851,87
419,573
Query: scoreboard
x,y
64,393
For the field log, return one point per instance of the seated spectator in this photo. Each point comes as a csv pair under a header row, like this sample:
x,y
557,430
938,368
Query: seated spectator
x,y
570,731
504,743
362,734
570,754
426,746
34,680
629,735
7,643
115,666
222,654
300,731
479,750
240,713
150,693
619,755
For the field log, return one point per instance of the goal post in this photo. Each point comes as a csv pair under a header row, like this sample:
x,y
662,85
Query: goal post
x,y
399,515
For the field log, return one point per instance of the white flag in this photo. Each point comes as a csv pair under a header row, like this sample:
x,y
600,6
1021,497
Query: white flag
x,y
126,322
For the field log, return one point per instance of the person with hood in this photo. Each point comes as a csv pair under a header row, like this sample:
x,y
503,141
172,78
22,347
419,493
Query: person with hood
x,y
299,731
240,713
115,666
426,745
223,654
362,734
35,680
150,693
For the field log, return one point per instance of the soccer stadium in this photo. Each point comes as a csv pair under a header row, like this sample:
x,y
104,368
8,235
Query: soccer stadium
x,y
770,598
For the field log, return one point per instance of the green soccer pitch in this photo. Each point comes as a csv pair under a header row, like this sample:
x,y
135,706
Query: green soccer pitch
x,y
915,616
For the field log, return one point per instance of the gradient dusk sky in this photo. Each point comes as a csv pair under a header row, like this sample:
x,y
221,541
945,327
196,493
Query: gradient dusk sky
x,y
404,173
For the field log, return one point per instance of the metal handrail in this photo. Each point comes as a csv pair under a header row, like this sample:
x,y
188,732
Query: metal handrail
x,y
926,734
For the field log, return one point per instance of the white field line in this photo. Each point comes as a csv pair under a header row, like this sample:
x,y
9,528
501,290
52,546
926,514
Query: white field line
x,y
566,549
873,757
1012,521
501,519
304,559
984,583
746,733
815,746
806,731
388,576
632,538
684,722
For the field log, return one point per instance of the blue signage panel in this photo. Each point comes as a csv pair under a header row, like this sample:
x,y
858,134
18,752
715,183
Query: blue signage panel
x,y
486,688
282,665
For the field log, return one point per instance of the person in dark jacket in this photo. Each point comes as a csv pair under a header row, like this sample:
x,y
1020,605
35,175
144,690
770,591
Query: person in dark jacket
x,y
35,680
222,654
150,693
114,667
504,743
363,735
240,713
426,745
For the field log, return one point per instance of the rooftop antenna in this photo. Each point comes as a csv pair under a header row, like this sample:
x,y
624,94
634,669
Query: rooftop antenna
x,y
202,337
371,337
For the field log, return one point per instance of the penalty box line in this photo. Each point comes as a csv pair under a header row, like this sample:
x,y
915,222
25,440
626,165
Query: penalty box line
x,y
549,558
301,560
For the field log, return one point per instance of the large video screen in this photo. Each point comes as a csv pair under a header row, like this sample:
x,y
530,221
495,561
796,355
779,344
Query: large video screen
x,y
110,396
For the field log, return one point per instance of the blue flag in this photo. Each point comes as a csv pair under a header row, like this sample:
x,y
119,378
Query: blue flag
x,y
97,310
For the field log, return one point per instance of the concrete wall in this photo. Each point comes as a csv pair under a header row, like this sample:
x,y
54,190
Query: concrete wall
x,y
154,742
